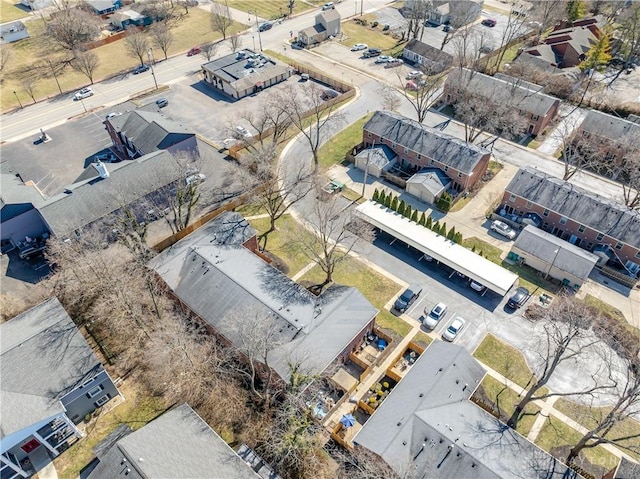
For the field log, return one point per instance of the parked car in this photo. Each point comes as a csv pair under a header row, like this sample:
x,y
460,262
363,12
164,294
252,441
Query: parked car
x,y
196,179
359,46
452,332
328,6
486,48
407,297
383,59
477,286
489,22
113,114
413,74
140,69
84,93
265,26
194,51
393,62
433,317
503,229
372,52
447,28
518,298
242,132
304,76
329,94
162,102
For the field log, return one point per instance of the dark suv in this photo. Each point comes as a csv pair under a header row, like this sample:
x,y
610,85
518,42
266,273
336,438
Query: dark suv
x,y
372,52
409,296
518,298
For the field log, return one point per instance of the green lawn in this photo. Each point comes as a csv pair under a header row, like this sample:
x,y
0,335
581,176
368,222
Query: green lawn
x,y
373,37
10,12
137,410
488,250
422,338
504,401
589,417
556,438
378,290
250,210
334,151
530,279
504,359
271,9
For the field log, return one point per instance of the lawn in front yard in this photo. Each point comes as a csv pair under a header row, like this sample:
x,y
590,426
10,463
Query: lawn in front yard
x,y
9,11
334,151
137,410
422,338
489,251
373,37
504,359
557,438
378,289
271,9
531,279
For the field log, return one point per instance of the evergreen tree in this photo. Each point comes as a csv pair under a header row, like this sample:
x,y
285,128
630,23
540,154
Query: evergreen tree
x,y
473,249
452,233
458,238
387,201
394,203
436,227
376,195
599,55
443,229
402,207
382,198
423,219
429,223
414,216
575,9
407,211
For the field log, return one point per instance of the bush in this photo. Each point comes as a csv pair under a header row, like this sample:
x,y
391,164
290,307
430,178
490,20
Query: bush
x,y
374,24
382,197
423,219
452,233
414,216
401,207
436,227
443,229
458,238
429,223
376,195
387,201
394,203
444,202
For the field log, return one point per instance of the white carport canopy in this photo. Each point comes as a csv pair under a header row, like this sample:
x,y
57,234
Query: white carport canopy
x,y
489,274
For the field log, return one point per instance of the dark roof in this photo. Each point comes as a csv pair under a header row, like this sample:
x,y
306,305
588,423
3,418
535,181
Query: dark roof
x,y
150,131
245,68
605,216
403,131
14,192
522,95
101,5
220,282
12,27
42,358
553,250
177,444
379,155
429,52
609,126
428,425
627,469
87,201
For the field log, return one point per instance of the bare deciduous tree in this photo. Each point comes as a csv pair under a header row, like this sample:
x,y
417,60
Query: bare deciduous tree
x,y
422,92
390,99
235,42
70,27
6,55
54,65
208,50
86,63
136,44
416,16
515,27
161,37
546,15
28,84
362,464
221,19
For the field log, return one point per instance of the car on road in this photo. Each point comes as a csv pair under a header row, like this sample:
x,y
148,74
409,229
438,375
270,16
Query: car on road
x,y
503,229
489,22
265,26
328,6
194,51
162,102
383,59
359,46
140,69
518,298
452,332
372,52
407,298
474,285
241,132
84,93
433,317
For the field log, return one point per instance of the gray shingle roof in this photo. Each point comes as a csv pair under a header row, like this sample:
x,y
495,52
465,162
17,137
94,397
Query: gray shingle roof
x,y
216,281
523,95
379,155
609,126
429,52
433,180
150,131
42,357
543,245
178,444
90,200
428,142
428,426
14,192
613,219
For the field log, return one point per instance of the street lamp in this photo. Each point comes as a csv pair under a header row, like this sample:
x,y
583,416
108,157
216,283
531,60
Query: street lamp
x,y
253,37
257,27
366,170
552,262
153,73
83,105
19,102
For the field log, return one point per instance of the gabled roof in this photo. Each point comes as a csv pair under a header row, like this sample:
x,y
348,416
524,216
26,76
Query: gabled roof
x,y
429,52
379,155
43,357
613,219
522,95
328,15
16,26
177,444
428,425
313,30
609,126
150,131
447,149
433,180
87,201
14,192
553,250
219,280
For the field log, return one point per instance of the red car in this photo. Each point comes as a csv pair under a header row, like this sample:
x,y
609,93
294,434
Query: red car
x,y
193,51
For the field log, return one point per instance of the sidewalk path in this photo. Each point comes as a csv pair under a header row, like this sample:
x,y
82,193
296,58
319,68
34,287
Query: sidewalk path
x,y
571,119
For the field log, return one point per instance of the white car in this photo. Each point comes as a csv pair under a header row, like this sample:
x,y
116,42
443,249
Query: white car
x,y
451,333
433,317
477,286
383,59
413,74
84,93
197,178
359,46
242,132
503,229
328,6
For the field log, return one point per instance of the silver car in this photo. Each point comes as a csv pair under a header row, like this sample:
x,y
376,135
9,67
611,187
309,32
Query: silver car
x,y
503,229
433,317
452,332
84,93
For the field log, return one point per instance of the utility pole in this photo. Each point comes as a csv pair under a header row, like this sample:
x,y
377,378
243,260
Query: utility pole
x,y
366,170
19,102
153,73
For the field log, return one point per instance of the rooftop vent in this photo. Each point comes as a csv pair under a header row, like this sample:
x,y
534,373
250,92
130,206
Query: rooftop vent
x,y
101,169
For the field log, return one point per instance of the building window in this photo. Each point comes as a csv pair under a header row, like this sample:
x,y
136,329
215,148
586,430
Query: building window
x,y
535,117
545,213
393,145
512,197
86,383
581,229
369,134
406,150
618,245
563,220
638,254
103,400
459,175
95,391
599,237
432,162
446,168
419,156
529,204
586,134
589,245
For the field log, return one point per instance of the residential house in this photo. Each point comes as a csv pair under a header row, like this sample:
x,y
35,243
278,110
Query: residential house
x,y
565,47
375,160
428,427
235,292
429,59
625,469
138,133
614,136
535,107
607,229
327,25
104,7
428,184
244,73
36,4
176,444
553,256
124,19
50,381
419,146
457,13
12,32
